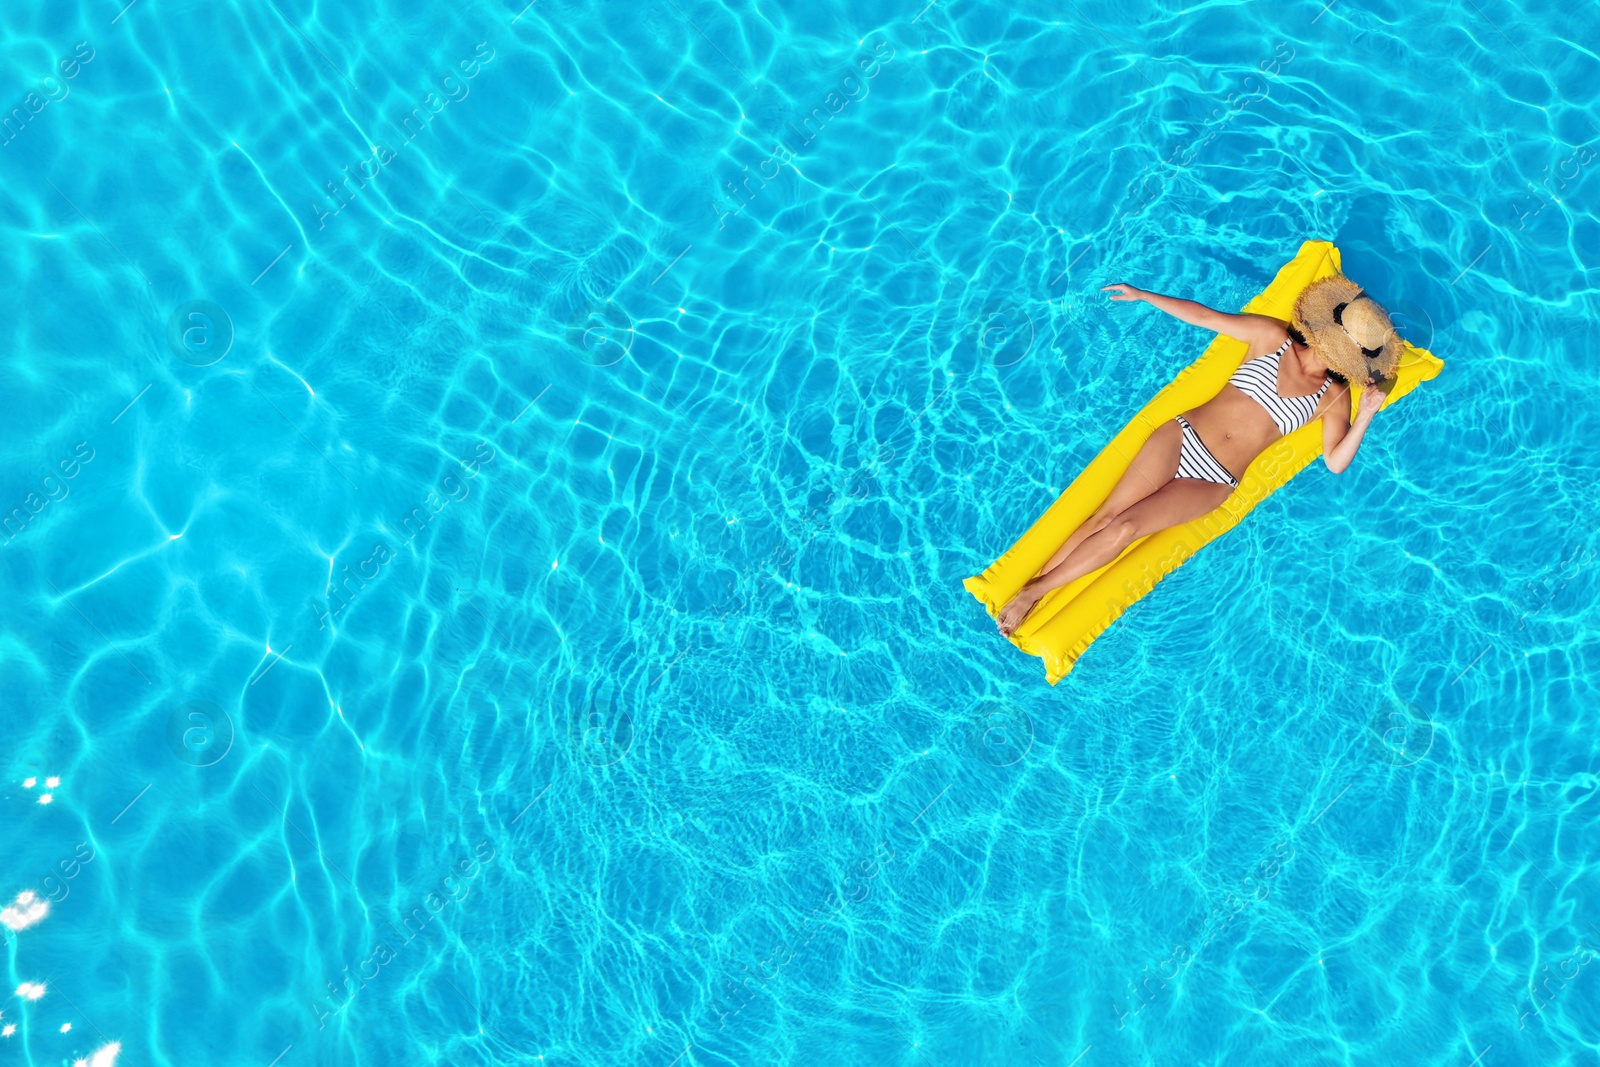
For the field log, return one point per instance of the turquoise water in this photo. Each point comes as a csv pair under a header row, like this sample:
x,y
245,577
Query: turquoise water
x,y
484,567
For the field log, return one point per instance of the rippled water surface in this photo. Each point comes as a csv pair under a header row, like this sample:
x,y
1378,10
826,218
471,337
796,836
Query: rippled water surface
x,y
488,491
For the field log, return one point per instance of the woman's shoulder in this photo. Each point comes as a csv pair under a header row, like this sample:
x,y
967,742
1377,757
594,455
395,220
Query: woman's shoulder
x,y
1258,354
1334,396
1263,333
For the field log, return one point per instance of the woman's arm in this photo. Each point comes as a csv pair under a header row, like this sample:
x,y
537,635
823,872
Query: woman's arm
x,y
1252,329
1339,441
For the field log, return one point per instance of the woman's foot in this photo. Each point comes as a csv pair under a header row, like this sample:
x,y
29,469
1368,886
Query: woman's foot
x,y
1017,609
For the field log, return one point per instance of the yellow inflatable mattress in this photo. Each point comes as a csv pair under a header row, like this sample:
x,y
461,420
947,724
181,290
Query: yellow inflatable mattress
x,y
1068,619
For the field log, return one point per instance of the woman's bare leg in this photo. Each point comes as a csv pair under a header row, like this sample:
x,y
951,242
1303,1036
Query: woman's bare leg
x,y
1092,525
1179,501
1152,468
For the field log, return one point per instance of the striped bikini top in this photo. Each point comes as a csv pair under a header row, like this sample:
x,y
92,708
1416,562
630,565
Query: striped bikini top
x,y
1258,378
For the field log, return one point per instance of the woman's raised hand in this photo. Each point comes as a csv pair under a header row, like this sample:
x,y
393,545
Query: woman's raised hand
x,y
1372,398
1124,291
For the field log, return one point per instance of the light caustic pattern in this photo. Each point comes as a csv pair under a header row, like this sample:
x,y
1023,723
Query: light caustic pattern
x,y
487,489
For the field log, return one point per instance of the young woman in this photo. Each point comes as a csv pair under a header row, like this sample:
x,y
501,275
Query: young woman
x,y
1189,466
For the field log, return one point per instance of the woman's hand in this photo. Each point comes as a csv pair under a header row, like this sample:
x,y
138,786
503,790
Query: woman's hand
x,y
1372,398
1124,291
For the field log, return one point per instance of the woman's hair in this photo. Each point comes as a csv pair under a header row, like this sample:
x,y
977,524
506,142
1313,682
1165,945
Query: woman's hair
x,y
1299,338
1336,376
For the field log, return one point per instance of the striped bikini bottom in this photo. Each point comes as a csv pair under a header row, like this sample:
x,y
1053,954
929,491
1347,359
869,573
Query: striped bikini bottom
x,y
1196,461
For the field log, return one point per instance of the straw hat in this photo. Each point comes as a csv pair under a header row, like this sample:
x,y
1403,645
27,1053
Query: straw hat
x,y
1348,330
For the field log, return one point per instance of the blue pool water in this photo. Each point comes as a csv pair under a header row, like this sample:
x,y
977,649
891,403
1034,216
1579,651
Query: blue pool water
x,y
488,490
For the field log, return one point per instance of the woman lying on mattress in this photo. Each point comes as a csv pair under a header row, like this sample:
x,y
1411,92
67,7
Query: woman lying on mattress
x,y
1189,466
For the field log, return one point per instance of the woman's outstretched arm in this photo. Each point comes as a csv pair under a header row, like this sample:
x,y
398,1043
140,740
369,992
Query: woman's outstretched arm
x,y
1248,328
